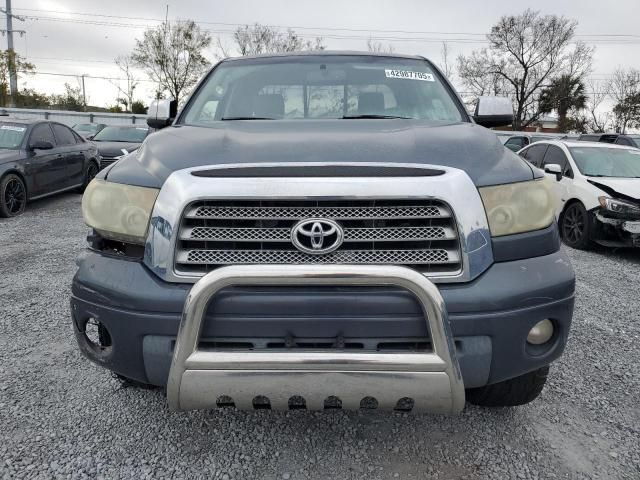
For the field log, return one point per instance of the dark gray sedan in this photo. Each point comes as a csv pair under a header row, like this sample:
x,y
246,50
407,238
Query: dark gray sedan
x,y
39,158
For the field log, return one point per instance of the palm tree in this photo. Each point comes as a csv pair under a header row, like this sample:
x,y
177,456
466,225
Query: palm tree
x,y
563,94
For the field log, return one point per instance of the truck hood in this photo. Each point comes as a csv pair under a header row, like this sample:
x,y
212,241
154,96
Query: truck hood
x,y
618,187
467,146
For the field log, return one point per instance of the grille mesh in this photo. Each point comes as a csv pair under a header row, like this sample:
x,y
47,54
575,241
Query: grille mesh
x,y
350,234
336,213
236,257
417,233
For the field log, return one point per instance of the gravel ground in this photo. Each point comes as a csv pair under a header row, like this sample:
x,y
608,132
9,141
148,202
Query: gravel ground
x,y
63,417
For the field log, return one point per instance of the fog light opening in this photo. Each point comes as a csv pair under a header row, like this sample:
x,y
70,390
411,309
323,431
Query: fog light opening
x,y
541,332
97,334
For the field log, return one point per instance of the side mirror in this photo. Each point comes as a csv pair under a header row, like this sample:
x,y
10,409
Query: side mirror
x,y
90,137
554,169
41,145
493,112
161,113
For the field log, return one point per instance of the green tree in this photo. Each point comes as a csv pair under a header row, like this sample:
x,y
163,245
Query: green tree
x,y
138,107
625,89
71,99
627,111
562,95
173,56
9,59
29,98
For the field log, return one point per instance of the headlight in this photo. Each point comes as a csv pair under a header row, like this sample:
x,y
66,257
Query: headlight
x,y
618,206
119,212
518,207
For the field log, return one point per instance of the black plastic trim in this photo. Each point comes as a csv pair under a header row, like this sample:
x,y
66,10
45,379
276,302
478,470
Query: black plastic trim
x,y
526,245
317,171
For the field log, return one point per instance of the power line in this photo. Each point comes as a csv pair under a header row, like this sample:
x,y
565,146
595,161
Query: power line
x,y
299,27
598,39
98,77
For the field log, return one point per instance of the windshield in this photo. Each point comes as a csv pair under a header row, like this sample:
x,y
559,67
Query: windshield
x,y
86,127
636,140
121,134
322,87
607,162
11,135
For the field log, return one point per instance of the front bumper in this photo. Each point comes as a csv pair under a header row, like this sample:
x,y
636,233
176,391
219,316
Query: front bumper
x,y
489,317
616,231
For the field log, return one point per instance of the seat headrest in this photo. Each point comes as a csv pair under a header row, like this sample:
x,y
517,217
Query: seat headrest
x,y
370,103
269,106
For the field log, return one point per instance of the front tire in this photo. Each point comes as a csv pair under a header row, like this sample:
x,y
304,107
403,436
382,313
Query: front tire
x,y
510,393
575,227
13,196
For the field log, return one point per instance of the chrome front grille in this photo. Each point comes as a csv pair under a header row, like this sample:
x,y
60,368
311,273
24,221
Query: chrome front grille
x,y
417,233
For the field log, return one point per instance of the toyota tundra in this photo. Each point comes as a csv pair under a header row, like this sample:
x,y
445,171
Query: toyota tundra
x,y
323,230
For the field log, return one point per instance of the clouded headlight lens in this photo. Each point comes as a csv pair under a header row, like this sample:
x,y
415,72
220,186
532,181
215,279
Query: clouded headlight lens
x,y
518,207
119,212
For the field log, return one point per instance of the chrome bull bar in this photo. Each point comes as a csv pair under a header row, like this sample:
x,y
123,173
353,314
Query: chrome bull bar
x,y
199,377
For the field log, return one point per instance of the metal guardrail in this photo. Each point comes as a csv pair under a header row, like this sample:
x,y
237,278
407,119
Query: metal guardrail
x,y
199,377
71,118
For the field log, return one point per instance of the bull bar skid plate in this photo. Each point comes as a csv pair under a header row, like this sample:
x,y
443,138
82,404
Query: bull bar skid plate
x,y
198,378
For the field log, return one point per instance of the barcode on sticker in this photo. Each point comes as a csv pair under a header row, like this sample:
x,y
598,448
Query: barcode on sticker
x,y
409,75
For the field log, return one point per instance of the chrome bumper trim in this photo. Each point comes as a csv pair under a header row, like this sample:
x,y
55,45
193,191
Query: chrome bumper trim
x,y
197,378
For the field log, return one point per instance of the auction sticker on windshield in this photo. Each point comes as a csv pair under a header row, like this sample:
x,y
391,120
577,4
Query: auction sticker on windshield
x,y
12,128
409,75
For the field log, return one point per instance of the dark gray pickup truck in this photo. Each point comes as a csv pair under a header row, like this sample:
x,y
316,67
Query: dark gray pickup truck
x,y
324,230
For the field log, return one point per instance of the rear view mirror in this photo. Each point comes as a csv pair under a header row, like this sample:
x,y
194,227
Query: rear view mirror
x,y
162,113
41,145
554,169
493,112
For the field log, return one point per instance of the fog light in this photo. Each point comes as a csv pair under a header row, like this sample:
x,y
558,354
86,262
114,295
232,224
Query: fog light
x,y
541,332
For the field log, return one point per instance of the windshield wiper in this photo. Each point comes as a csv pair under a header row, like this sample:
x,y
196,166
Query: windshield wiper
x,y
247,118
355,117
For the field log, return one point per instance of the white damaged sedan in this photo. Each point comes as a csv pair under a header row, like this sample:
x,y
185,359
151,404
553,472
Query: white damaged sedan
x,y
597,188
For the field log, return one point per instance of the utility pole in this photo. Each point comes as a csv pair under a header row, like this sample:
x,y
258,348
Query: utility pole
x,y
84,95
11,58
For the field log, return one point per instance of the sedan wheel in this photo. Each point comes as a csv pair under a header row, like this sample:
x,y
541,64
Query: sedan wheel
x,y
90,174
13,196
575,227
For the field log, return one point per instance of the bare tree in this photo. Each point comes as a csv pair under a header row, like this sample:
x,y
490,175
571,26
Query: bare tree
x,y
125,65
478,79
173,56
445,63
379,47
525,52
597,93
625,89
257,39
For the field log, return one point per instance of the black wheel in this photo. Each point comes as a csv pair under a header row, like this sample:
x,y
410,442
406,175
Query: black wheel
x,y
575,227
13,196
89,174
510,393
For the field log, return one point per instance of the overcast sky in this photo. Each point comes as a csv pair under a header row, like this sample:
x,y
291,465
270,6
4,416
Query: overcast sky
x,y
75,37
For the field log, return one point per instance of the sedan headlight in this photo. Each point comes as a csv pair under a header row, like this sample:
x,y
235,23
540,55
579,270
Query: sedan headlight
x,y
117,211
618,206
518,207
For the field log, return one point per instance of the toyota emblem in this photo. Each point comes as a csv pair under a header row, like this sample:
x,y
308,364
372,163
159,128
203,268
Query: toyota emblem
x,y
317,235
